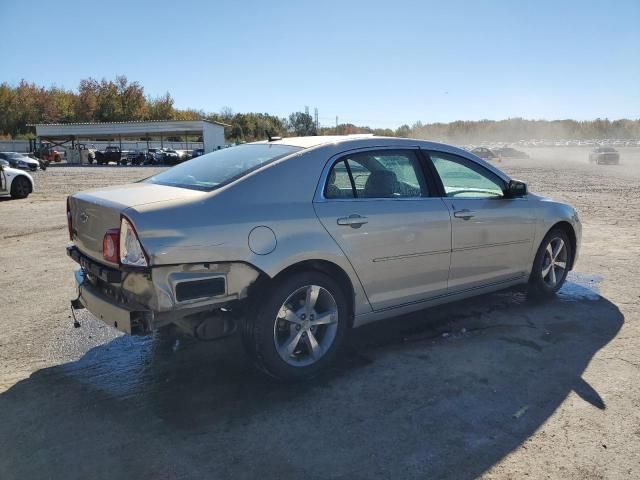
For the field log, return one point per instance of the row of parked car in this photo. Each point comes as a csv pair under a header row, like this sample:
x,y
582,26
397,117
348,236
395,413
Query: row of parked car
x,y
15,182
498,153
600,155
151,156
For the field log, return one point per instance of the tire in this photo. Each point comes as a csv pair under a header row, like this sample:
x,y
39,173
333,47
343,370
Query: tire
x,y
548,274
266,325
20,187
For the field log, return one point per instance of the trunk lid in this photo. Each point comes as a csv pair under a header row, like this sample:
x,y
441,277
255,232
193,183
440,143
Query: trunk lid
x,y
93,212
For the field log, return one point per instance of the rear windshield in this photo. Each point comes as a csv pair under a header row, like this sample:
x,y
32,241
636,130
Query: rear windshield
x,y
218,168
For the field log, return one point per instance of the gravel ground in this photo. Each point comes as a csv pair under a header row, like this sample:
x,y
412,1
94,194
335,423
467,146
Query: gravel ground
x,y
493,387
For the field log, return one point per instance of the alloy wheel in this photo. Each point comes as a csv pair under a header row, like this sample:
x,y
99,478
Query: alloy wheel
x,y
22,189
554,263
306,325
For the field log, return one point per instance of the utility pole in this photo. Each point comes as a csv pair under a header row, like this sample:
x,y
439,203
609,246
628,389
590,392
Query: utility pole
x,y
336,124
315,112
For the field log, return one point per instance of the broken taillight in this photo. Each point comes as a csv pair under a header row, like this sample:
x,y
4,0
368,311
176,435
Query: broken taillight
x,y
131,251
111,245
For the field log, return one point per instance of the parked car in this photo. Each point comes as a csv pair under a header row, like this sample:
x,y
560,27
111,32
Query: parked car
x,y
14,183
604,155
20,161
110,154
171,157
154,156
197,152
278,238
484,153
184,155
139,157
508,152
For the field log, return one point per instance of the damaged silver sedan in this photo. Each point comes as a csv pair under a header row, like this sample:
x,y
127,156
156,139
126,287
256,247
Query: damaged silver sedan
x,y
296,241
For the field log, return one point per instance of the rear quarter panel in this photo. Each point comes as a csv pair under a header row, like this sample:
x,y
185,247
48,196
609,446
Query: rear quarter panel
x,y
216,228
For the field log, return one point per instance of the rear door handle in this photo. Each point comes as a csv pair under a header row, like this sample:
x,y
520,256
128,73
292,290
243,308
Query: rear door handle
x,y
465,214
354,220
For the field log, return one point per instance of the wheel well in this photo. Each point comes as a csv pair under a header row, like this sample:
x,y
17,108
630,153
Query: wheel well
x,y
568,229
328,268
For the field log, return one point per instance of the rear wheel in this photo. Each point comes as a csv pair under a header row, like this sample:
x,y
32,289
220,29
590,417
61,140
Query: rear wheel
x,y
20,187
551,265
300,327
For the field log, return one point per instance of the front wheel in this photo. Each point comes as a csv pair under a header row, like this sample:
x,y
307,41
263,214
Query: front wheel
x,y
299,329
20,187
551,265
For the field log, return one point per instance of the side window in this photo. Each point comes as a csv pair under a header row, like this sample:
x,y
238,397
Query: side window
x,y
338,182
377,174
462,178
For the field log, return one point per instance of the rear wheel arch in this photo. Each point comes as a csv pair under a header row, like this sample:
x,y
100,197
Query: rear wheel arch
x,y
323,266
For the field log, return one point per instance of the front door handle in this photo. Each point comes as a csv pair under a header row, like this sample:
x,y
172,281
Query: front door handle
x,y
354,220
465,214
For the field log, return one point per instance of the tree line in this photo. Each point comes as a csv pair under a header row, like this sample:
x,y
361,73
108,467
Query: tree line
x,y
121,100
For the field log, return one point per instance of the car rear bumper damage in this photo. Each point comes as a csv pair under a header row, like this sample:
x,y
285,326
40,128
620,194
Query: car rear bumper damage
x,y
121,317
197,299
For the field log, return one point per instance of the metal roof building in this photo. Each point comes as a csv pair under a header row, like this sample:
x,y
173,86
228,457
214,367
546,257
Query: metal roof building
x,y
212,133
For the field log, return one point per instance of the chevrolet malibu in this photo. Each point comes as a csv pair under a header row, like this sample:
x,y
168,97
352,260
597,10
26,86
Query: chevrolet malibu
x,y
297,241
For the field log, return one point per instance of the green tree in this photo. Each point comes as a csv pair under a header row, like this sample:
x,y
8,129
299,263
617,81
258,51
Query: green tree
x,y
302,124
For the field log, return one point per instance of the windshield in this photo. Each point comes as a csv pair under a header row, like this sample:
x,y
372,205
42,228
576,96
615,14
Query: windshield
x,y
214,169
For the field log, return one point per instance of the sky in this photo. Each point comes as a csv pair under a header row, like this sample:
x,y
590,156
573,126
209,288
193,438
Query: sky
x,y
372,63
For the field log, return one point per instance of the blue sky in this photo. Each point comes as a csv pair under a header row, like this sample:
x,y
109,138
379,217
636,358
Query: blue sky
x,y
371,63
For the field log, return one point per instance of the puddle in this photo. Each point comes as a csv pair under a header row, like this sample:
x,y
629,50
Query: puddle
x,y
580,287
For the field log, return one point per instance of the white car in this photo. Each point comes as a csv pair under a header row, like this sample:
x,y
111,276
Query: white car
x,y
13,182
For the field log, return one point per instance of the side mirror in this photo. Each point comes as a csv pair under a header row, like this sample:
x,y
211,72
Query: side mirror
x,y
515,189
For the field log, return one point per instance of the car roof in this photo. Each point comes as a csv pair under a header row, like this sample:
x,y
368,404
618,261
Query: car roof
x,y
357,141
347,142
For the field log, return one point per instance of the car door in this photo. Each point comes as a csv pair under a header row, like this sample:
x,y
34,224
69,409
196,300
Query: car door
x,y
492,235
3,181
376,206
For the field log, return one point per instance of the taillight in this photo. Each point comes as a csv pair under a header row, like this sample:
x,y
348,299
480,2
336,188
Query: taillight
x,y
69,220
131,251
111,245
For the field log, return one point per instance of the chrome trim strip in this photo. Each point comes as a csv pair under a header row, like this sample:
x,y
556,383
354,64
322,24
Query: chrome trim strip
x,y
489,245
410,255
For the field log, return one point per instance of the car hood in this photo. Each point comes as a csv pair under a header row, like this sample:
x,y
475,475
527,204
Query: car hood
x,y
27,160
14,172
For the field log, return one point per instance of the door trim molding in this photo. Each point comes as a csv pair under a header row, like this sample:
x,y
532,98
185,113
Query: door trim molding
x,y
489,245
410,255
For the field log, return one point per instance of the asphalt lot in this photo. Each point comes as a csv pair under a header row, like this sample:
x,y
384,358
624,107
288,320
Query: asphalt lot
x,y
493,387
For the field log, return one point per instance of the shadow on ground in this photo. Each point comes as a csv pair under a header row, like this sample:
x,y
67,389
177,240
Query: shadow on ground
x,y
445,393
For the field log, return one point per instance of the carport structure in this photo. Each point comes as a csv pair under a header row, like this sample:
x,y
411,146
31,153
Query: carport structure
x,y
59,134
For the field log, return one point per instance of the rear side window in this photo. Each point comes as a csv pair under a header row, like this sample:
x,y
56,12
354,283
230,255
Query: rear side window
x,y
376,174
